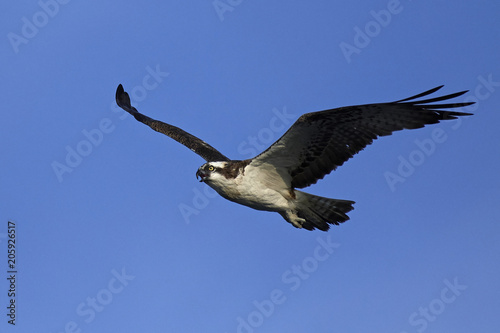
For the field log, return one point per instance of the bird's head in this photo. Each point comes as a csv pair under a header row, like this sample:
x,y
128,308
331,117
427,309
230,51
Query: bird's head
x,y
210,171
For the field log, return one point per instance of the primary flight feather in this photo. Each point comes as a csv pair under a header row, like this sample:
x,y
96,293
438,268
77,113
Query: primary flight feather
x,y
316,144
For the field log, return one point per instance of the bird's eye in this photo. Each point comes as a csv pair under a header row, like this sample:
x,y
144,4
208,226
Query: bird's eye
x,y
210,168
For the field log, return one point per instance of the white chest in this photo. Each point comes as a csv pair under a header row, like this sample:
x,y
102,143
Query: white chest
x,y
259,188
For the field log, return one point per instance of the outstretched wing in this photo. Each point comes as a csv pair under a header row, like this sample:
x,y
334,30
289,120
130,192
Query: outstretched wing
x,y
319,142
200,147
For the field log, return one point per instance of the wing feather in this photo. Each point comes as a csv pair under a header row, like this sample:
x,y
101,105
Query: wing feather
x,y
200,147
319,142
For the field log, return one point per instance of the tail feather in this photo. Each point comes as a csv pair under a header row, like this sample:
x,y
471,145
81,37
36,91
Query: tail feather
x,y
319,212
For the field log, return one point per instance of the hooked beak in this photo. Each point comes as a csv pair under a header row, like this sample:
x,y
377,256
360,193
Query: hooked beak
x,y
200,174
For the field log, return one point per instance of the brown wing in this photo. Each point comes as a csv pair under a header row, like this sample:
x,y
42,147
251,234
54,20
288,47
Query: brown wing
x,y
200,147
319,142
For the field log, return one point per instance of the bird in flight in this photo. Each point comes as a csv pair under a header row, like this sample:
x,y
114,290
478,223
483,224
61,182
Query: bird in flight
x,y
316,144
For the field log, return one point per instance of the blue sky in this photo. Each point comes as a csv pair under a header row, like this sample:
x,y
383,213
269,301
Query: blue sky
x,y
115,234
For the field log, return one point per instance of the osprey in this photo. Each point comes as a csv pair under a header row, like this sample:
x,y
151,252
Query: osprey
x,y
316,144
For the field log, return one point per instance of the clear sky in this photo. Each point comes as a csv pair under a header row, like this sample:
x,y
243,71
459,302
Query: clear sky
x,y
115,234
